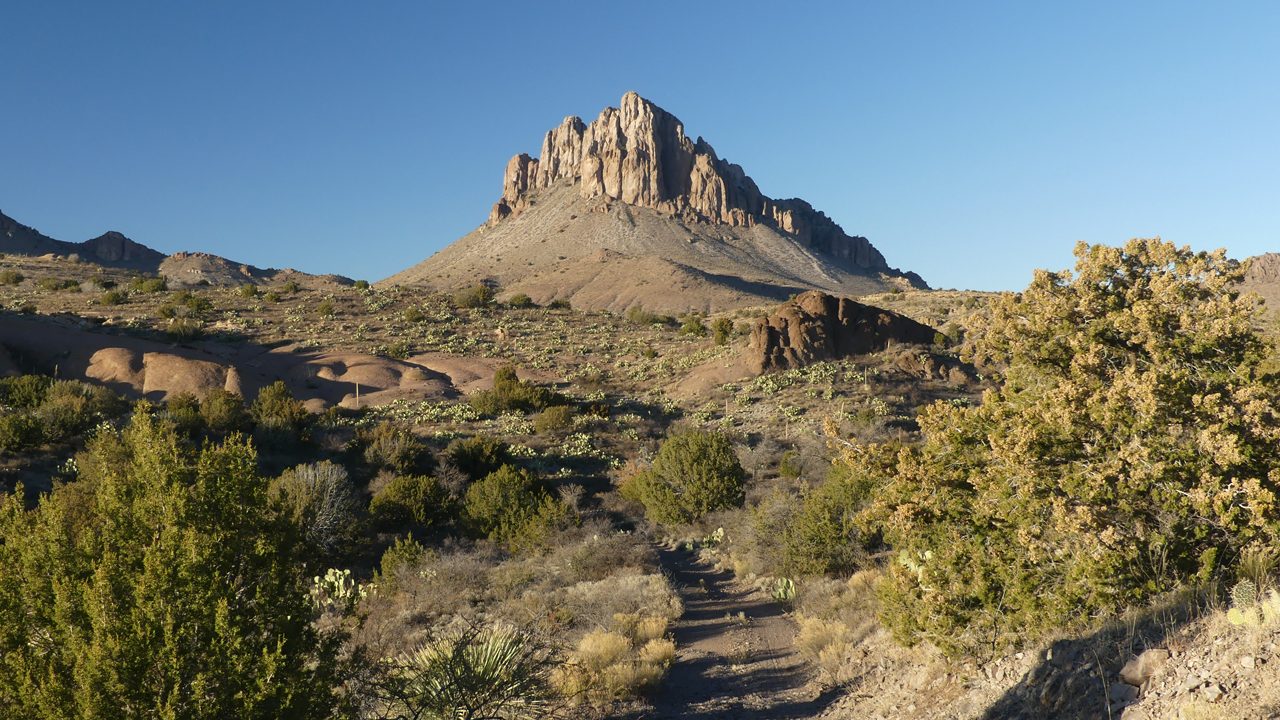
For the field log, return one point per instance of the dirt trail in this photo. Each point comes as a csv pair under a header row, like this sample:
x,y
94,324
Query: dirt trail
x,y
736,653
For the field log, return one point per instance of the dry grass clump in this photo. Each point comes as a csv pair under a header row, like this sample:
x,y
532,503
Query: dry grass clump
x,y
594,604
834,617
619,663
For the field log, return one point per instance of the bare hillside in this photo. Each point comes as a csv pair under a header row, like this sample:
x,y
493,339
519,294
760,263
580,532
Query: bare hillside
x,y
673,215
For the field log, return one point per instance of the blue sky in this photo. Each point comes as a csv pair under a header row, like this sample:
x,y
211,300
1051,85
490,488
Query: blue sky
x,y
971,142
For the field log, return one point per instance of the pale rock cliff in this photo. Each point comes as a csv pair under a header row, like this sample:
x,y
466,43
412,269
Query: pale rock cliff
x,y
638,154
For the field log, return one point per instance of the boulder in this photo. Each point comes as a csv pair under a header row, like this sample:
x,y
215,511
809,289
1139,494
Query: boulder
x,y
816,327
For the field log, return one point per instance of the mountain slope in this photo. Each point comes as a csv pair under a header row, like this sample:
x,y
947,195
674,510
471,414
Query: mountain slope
x,y
631,183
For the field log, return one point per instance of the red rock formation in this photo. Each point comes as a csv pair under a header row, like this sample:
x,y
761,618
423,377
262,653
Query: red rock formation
x,y
638,153
816,327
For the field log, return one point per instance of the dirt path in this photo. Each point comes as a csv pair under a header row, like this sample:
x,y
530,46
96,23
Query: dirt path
x,y
736,656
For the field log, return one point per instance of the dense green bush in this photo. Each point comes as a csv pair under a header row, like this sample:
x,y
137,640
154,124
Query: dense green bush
x,y
413,315
520,300
70,407
275,402
402,557
320,501
510,394
148,285
24,391
183,410
693,326
395,448
823,536
290,287
560,304
224,410
327,309
159,585
479,455
112,297
361,284
11,277
20,431
695,473
1131,448
53,284
640,316
722,328
514,507
249,290
410,500
554,419
477,296
272,297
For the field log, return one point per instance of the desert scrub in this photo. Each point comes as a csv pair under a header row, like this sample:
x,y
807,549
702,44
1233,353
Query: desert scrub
x,y
476,296
11,277
184,329
520,301
695,472
248,290
395,448
70,407
1130,454
554,419
640,316
479,455
112,297
223,410
326,309
514,507
410,501
321,502
148,285
510,394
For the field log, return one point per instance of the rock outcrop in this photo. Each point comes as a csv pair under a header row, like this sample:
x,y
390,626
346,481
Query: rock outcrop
x,y
816,327
638,154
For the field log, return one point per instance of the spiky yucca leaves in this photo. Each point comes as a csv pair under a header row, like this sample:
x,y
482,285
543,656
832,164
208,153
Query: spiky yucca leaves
x,y
477,674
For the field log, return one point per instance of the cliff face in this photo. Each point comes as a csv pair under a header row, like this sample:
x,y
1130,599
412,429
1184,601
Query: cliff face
x,y
639,154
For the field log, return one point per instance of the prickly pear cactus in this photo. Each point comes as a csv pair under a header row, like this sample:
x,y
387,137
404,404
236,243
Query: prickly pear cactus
x,y
1271,608
784,590
1244,595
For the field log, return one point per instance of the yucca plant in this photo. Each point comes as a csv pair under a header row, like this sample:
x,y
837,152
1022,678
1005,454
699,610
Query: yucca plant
x,y
477,674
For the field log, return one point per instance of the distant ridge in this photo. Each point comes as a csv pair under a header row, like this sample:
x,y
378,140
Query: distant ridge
x,y
113,249
632,184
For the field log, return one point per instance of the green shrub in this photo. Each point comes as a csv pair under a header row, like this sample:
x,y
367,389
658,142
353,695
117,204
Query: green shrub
x,y
24,391
723,330
560,304
479,455
693,326
476,296
403,556
790,466
319,500
52,284
11,277
148,285
167,312
275,401
640,316
184,329
71,407
326,309
514,507
249,290
223,410
20,431
395,448
520,300
290,287
361,284
695,473
183,410
112,297
413,315
272,297
400,349
410,500
167,570
554,419
823,537
198,306
1131,449
510,394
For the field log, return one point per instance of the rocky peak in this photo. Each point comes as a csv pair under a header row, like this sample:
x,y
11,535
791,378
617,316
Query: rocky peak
x,y
638,154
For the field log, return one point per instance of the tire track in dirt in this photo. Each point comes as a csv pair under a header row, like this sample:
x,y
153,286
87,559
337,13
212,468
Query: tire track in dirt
x,y
736,654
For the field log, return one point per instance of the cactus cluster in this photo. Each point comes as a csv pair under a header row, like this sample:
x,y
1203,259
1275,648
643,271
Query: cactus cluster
x,y
1247,608
783,590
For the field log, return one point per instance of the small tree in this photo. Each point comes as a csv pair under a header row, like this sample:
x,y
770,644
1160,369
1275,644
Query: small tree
x,y
160,583
1132,447
695,473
